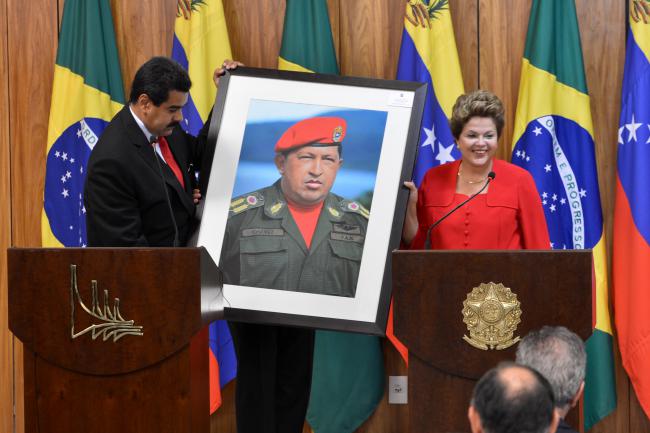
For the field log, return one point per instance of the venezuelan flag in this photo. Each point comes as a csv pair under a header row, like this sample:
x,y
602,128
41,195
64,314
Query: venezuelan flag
x,y
200,45
632,215
86,94
553,140
428,54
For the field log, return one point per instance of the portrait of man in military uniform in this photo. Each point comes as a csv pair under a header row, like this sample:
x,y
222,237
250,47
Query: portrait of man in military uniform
x,y
296,234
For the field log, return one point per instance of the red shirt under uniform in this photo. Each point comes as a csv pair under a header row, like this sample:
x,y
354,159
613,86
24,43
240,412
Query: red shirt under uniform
x,y
508,217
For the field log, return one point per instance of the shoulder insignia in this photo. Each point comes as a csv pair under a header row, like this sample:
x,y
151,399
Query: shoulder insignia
x,y
354,207
333,212
276,208
245,202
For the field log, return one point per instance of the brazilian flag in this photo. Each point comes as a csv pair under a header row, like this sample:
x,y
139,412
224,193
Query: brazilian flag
x,y
348,373
553,140
86,94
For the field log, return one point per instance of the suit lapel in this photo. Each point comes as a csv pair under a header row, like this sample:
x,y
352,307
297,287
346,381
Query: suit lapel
x,y
148,154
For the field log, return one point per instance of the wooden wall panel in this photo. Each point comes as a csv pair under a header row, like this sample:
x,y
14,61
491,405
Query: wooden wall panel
x,y
6,346
501,44
255,36
143,29
371,31
32,29
464,14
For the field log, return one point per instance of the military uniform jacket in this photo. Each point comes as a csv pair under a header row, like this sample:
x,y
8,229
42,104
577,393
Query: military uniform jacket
x,y
263,246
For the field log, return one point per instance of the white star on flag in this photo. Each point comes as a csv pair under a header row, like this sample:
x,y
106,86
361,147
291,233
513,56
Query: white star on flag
x,y
64,156
620,135
537,131
544,195
65,193
431,137
552,207
547,168
632,127
554,197
444,153
583,193
563,201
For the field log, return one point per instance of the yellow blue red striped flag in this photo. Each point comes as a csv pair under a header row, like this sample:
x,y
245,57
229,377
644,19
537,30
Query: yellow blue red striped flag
x,y
200,45
632,215
428,54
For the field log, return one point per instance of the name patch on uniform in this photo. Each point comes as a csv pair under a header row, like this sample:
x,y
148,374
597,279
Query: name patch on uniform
x,y
346,237
346,228
262,232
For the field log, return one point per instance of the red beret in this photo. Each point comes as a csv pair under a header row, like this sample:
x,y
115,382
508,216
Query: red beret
x,y
328,131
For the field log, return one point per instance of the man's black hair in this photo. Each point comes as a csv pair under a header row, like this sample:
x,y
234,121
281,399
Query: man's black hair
x,y
507,409
157,77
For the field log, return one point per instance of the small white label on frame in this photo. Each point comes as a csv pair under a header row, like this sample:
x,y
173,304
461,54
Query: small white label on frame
x,y
398,389
400,99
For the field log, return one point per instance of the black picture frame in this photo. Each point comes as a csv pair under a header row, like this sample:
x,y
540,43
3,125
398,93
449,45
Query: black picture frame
x,y
241,92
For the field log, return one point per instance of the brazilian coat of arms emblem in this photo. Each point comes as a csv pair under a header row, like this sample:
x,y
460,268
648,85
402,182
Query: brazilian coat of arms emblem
x,y
491,313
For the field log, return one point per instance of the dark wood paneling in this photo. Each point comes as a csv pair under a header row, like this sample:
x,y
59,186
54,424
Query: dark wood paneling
x,y
371,31
143,29
255,32
502,37
32,29
31,51
464,14
6,352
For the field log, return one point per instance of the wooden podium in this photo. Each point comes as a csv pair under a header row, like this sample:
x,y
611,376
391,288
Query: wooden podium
x,y
114,339
429,288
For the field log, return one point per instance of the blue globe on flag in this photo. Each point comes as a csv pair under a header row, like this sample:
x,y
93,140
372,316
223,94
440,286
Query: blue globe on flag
x,y
558,153
64,180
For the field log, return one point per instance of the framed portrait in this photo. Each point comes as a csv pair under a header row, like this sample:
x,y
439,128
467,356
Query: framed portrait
x,y
305,199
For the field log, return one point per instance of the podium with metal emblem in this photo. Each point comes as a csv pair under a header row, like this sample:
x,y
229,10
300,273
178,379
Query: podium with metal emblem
x,y
460,313
114,339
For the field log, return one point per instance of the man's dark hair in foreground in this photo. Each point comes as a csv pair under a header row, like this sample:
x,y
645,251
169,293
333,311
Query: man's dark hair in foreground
x,y
560,356
512,398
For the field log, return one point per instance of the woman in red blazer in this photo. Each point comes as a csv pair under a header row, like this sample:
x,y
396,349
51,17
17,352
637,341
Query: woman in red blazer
x,y
508,214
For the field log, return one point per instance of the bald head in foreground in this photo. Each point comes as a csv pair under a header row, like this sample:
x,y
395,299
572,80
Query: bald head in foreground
x,y
512,398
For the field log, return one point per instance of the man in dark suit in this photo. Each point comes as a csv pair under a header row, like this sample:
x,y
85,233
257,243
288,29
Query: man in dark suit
x,y
560,356
140,179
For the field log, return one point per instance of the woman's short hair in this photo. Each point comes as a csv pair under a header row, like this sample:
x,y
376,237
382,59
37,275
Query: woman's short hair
x,y
479,103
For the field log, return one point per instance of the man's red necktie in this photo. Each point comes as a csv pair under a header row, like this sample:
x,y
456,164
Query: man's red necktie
x,y
169,159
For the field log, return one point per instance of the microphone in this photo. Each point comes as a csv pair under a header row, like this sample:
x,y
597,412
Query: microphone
x,y
152,141
427,244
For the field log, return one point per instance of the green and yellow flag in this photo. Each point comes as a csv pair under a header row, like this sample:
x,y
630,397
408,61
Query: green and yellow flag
x,y
86,94
553,140
348,372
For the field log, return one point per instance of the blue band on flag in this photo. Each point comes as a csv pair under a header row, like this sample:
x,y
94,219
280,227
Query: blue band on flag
x,y
192,122
634,136
437,145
